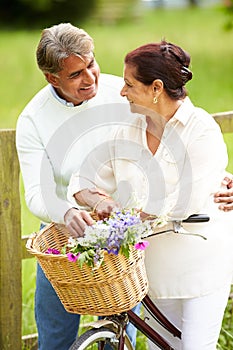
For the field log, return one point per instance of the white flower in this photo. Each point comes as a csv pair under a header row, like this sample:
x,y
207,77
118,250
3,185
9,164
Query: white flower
x,y
124,229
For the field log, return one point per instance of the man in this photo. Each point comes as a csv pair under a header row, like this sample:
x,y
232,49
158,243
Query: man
x,y
60,125
225,197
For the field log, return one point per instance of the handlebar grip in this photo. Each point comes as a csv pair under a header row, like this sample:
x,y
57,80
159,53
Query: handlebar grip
x,y
197,218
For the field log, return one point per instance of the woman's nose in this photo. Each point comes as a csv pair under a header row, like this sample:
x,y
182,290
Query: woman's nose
x,y
123,92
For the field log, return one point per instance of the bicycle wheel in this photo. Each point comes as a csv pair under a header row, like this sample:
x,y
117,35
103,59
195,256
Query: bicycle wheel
x,y
99,339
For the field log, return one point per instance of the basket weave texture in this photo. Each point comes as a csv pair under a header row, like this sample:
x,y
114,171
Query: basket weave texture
x,y
116,286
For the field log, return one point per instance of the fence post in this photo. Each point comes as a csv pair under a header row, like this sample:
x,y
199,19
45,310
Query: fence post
x,y
10,239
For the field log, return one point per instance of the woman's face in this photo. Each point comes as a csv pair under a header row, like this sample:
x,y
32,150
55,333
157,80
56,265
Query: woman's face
x,y
140,96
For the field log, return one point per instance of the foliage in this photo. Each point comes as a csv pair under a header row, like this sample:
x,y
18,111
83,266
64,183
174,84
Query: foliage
x,y
226,336
114,11
41,13
229,15
211,62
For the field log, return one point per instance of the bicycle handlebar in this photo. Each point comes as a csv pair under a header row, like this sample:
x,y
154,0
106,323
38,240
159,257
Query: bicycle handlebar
x,y
176,226
197,218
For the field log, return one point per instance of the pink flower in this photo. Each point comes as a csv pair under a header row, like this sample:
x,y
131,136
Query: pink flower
x,y
52,251
72,257
141,245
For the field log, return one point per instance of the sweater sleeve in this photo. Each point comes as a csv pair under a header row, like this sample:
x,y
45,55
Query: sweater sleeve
x,y
38,176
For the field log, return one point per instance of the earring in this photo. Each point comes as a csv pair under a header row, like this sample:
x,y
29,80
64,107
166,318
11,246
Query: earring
x,y
155,100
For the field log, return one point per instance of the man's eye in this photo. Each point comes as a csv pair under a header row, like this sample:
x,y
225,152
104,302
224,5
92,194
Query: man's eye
x,y
91,64
73,76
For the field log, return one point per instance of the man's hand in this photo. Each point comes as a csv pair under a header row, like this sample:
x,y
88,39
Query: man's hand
x,y
225,197
76,221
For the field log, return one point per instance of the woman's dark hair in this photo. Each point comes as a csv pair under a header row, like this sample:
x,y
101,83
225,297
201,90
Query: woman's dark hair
x,y
164,61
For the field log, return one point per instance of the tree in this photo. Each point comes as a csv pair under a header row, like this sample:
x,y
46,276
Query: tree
x,y
229,12
31,13
193,2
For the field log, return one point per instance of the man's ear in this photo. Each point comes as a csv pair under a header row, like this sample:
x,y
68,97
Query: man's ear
x,y
52,79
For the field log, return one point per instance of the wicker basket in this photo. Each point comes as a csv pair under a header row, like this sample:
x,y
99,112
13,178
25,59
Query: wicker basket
x,y
117,286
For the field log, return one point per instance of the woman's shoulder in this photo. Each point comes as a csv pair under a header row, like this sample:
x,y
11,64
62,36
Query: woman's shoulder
x,y
200,117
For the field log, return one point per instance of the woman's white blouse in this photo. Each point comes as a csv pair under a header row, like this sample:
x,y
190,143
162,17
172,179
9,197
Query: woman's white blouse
x,y
177,181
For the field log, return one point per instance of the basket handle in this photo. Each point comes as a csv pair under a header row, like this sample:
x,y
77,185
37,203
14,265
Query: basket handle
x,y
29,243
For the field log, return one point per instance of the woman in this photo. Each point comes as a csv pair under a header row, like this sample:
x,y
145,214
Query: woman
x,y
169,162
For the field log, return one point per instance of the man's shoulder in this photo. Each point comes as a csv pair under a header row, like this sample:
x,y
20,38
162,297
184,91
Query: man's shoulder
x,y
38,99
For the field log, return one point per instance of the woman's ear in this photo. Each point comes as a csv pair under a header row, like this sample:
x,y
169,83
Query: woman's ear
x,y
52,79
157,85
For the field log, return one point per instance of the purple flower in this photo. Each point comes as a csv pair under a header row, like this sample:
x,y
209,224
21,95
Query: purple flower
x,y
141,245
52,251
121,221
72,257
113,250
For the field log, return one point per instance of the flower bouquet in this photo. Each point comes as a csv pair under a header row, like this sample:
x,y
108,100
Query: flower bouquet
x,y
101,273
115,235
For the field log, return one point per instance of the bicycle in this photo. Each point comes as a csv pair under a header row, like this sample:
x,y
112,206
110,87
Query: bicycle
x,y
110,332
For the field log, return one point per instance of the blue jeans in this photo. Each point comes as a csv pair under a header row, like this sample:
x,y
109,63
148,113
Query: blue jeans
x,y
57,328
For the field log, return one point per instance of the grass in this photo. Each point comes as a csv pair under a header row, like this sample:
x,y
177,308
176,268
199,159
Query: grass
x,y
200,31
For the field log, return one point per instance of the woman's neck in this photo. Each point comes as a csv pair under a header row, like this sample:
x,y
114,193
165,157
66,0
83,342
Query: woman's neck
x,y
165,108
156,122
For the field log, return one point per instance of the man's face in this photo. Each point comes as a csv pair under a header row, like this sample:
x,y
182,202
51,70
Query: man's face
x,y
78,80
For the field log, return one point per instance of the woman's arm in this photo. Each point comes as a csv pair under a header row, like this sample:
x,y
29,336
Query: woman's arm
x,y
99,203
97,200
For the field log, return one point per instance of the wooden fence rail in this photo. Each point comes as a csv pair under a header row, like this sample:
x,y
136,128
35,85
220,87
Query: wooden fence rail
x,y
12,249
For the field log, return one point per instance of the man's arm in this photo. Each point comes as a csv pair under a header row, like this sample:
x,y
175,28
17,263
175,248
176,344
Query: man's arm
x,y
225,197
38,176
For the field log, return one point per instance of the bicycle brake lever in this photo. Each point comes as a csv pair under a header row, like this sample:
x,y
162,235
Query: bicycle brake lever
x,y
178,228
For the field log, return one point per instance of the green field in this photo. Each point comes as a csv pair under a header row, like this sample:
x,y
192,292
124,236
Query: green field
x,y
200,31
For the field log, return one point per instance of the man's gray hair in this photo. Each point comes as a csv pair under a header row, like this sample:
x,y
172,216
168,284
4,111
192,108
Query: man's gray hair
x,y
59,42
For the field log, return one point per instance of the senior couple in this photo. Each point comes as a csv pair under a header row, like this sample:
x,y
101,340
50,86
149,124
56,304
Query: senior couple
x,y
81,145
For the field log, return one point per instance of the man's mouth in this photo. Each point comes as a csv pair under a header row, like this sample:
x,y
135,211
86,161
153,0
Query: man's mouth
x,y
87,87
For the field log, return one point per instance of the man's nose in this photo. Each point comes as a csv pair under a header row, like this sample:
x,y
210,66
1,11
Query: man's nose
x,y
88,76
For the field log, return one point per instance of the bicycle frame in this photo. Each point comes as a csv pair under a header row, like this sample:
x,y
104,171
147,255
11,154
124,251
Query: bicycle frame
x,y
149,332
118,322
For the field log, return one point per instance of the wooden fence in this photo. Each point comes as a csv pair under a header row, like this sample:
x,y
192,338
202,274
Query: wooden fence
x,y
12,249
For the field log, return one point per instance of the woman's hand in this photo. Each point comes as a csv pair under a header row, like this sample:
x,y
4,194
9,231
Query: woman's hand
x,y
145,216
104,207
97,200
225,197
77,220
